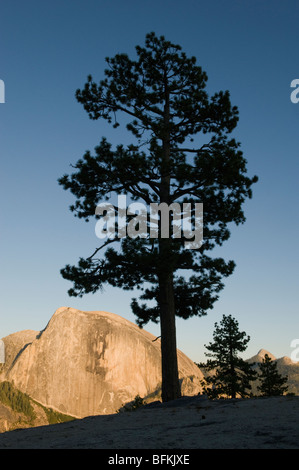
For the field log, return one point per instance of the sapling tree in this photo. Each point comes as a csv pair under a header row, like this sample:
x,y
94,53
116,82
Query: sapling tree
x,y
182,153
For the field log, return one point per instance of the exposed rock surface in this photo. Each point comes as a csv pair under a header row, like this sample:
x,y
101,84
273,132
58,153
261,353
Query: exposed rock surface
x,y
260,356
260,423
87,363
14,344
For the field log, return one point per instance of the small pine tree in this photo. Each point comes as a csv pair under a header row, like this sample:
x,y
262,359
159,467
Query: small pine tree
x,y
272,383
231,374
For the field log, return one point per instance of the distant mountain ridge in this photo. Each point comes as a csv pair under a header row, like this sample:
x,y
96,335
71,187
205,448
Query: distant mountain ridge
x,y
260,356
285,366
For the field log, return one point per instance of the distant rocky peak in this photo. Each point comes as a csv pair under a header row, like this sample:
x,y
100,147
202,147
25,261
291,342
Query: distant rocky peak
x,y
262,353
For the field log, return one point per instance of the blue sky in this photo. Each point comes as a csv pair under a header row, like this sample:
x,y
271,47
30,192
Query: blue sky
x,y
47,50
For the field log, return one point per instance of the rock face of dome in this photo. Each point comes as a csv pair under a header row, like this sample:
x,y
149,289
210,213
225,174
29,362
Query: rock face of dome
x,y
87,363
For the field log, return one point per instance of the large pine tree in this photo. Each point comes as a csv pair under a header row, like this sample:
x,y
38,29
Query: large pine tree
x,y
181,153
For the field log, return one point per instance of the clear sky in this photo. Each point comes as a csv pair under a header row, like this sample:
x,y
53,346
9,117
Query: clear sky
x,y
47,49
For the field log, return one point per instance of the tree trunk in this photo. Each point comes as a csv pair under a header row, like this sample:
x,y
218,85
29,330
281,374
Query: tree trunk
x,y
170,377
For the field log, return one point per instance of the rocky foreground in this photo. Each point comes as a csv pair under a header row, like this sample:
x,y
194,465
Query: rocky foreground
x,y
187,423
